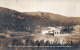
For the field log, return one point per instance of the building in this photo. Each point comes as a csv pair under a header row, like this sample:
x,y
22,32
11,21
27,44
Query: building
x,y
55,31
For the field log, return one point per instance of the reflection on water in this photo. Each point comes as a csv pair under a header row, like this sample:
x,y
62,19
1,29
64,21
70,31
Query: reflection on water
x,y
41,48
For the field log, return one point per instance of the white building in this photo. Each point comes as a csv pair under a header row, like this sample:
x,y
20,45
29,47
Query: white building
x,y
55,31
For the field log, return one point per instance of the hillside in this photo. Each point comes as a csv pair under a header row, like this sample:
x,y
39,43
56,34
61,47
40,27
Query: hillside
x,y
17,21
29,21
56,18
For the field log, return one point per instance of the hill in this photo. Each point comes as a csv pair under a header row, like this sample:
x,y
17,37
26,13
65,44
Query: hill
x,y
29,21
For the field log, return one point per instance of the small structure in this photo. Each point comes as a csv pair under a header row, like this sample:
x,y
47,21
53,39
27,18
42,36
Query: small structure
x,y
55,31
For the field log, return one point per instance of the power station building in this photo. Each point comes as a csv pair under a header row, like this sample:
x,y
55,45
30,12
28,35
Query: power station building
x,y
55,31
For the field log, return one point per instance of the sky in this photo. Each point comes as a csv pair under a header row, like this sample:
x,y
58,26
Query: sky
x,y
70,8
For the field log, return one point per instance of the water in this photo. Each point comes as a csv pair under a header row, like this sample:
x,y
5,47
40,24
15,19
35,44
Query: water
x,y
41,48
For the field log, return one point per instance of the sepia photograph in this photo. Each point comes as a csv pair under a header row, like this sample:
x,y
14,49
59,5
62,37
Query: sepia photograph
x,y
39,24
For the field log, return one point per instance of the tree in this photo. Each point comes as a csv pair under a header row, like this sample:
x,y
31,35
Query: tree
x,y
76,30
36,43
42,43
47,43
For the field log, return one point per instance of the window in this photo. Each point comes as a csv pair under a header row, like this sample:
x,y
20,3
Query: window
x,y
57,32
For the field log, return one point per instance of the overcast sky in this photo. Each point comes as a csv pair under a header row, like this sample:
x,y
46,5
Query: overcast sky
x,y
62,7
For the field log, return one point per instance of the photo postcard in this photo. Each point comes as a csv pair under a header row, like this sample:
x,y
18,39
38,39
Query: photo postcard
x,y
39,24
